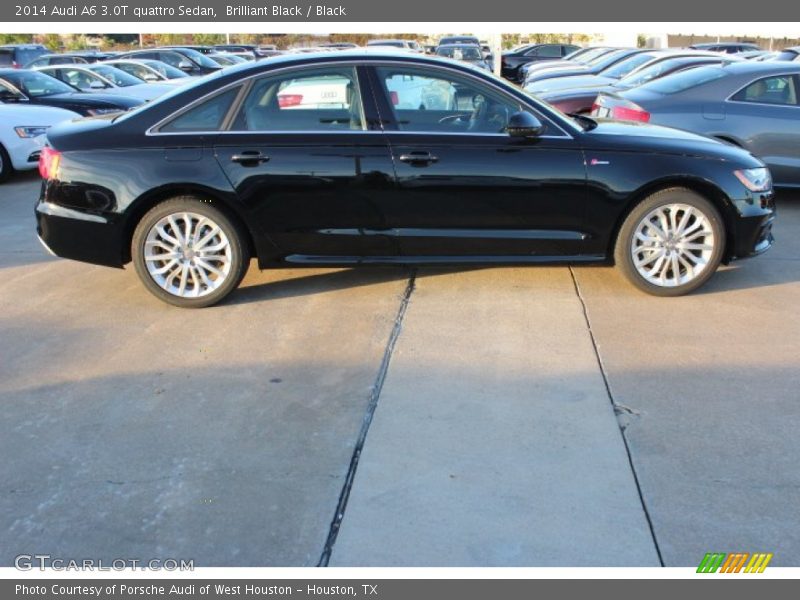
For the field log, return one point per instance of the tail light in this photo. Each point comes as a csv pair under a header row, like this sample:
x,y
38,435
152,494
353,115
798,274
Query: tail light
x,y
395,98
287,100
49,161
619,109
630,113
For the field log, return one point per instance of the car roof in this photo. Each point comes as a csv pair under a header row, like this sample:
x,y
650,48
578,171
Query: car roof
x,y
747,67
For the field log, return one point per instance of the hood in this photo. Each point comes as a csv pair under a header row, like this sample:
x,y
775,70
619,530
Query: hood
x,y
644,137
99,99
34,114
560,72
143,91
573,82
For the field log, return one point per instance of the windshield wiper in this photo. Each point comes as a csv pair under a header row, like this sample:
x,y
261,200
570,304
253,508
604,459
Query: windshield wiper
x,y
586,122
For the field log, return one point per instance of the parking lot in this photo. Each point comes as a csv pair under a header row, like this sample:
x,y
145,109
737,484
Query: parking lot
x,y
509,416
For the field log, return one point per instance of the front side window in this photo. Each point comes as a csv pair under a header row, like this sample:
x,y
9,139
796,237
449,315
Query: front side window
x,y
38,85
780,89
80,79
322,99
425,100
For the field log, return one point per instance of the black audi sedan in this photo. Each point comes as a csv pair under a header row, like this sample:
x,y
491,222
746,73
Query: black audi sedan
x,y
21,86
360,158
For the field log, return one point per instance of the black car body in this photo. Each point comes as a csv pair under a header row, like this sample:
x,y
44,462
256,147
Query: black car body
x,y
16,56
187,60
396,159
512,62
16,87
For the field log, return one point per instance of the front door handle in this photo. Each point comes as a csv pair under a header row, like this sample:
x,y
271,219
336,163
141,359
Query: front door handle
x,y
249,158
419,158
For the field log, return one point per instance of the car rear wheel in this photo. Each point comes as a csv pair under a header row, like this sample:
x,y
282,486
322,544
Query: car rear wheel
x,y
5,165
671,243
189,253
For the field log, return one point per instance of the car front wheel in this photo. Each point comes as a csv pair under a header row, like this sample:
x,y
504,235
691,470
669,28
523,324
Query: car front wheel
x,y
671,243
189,253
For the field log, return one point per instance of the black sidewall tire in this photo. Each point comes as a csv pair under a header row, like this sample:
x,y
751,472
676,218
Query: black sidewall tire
x,y
6,168
239,255
624,260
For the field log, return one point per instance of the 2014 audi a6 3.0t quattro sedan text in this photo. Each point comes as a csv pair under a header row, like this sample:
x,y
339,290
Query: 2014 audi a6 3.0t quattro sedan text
x,y
361,157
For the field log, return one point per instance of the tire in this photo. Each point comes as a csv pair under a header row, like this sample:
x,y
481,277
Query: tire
x,y
671,243
6,168
189,275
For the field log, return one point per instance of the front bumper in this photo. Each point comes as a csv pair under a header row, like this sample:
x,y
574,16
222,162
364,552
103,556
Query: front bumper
x,y
753,232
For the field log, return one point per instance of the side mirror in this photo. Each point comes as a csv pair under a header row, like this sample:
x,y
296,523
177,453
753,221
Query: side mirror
x,y
97,85
185,65
524,125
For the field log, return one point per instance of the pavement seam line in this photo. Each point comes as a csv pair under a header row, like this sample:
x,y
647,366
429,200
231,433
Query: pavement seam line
x,y
615,406
372,405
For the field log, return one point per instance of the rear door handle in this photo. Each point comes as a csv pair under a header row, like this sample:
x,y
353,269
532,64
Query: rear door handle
x,y
253,157
419,158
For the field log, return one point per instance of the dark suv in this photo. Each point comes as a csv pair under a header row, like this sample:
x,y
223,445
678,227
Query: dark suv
x,y
513,60
17,56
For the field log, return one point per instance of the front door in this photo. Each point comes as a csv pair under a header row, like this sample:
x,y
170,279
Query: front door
x,y
464,186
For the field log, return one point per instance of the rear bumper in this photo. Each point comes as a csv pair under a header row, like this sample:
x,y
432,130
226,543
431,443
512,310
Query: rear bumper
x,y
80,236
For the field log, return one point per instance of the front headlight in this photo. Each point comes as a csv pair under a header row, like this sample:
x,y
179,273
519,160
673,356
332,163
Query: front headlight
x,y
755,180
31,131
102,111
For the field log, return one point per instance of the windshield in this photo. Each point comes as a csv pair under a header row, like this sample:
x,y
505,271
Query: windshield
x,y
609,58
37,85
166,70
200,59
678,82
116,76
626,65
653,71
460,52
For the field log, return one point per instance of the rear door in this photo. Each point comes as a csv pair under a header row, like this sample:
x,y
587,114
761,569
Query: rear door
x,y
305,154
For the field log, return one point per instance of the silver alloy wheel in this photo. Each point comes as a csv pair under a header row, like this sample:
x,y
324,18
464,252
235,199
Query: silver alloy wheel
x,y
672,245
187,254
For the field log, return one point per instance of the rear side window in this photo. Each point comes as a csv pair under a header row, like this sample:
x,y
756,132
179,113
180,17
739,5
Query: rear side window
x,y
678,82
321,99
545,51
206,116
781,89
6,57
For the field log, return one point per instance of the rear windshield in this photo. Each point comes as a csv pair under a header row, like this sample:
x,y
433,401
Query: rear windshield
x,y
460,52
26,55
6,57
627,65
678,82
785,55
116,76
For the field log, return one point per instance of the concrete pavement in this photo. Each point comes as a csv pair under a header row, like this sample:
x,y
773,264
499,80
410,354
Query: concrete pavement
x,y
131,429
